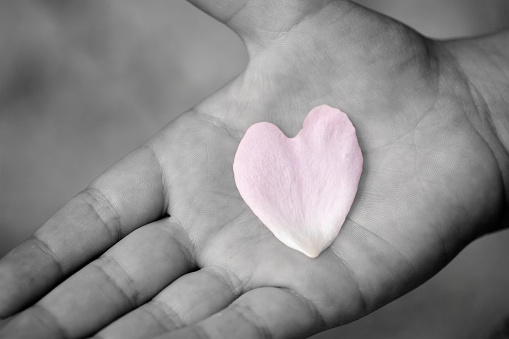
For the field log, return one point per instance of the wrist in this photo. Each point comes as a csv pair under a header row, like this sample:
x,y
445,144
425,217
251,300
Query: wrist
x,y
480,67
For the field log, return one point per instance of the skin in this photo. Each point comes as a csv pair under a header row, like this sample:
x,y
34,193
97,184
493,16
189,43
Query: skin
x,y
162,244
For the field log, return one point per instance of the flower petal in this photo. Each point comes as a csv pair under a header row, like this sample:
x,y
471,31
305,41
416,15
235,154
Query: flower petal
x,y
301,188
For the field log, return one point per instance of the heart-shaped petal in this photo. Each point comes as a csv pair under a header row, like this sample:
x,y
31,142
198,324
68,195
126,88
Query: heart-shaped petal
x,y
301,188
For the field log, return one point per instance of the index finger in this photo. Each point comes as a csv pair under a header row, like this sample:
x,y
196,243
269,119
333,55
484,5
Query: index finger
x,y
125,197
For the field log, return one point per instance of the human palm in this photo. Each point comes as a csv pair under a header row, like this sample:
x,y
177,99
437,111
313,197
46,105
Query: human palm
x,y
208,266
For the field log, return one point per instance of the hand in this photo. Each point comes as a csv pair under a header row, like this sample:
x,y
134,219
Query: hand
x,y
163,244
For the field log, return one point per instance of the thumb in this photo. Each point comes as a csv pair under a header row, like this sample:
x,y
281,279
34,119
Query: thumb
x,y
260,21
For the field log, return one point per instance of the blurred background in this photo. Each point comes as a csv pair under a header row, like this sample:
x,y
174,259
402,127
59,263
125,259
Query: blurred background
x,y
84,82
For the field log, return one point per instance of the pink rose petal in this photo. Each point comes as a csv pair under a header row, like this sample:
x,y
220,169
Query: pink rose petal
x,y
301,188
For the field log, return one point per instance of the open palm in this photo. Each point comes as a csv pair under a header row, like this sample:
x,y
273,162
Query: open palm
x,y
198,262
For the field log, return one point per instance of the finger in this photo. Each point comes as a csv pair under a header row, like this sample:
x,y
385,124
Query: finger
x,y
259,20
125,277
267,312
128,195
191,298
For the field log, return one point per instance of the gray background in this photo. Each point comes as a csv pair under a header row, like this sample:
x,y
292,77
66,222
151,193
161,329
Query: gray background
x,y
84,82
